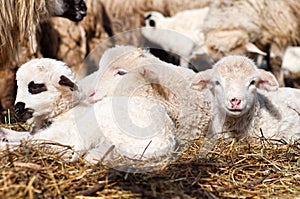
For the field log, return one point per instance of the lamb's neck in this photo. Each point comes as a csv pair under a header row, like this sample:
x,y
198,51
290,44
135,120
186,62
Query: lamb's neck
x,y
62,105
242,126
65,103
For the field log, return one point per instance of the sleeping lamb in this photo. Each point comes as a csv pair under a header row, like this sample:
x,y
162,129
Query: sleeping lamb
x,y
247,99
137,127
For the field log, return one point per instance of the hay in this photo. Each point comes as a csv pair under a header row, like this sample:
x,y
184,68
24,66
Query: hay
x,y
250,168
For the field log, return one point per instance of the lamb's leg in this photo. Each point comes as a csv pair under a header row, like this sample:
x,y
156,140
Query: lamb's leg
x,y
11,136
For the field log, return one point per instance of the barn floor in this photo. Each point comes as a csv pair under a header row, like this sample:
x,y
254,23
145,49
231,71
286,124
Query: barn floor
x,y
252,168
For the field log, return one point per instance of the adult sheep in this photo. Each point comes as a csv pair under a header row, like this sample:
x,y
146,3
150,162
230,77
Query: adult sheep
x,y
130,71
18,23
231,25
247,100
49,95
179,34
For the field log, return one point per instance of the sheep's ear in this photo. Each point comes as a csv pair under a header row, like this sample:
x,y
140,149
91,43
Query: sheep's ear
x,y
148,74
267,81
202,80
62,80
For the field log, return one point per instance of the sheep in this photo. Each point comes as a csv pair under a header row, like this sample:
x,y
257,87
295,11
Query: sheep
x,y
64,40
49,95
179,34
18,23
270,25
154,79
247,99
116,22
19,18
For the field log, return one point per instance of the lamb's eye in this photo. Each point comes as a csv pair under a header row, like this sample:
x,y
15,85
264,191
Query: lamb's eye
x,y
35,88
120,72
252,82
217,83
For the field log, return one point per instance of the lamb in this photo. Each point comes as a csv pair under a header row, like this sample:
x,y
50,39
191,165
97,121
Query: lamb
x,y
49,95
247,99
232,25
130,71
179,34
18,23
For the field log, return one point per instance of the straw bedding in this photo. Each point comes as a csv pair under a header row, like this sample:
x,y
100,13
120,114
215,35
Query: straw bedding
x,y
250,168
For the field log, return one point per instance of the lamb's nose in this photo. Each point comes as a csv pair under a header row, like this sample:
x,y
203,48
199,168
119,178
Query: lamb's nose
x,y
235,103
19,108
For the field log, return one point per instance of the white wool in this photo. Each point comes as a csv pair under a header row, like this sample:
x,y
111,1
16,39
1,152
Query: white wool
x,y
188,109
92,128
247,99
178,34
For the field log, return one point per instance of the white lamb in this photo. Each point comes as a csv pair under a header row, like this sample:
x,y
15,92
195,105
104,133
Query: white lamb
x,y
130,71
242,103
137,127
179,34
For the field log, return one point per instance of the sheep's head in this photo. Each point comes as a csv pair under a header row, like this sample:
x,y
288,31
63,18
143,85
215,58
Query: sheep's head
x,y
74,10
233,81
114,64
46,87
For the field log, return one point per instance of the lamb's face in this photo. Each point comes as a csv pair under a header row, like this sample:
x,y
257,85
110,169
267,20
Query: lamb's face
x,y
234,85
41,84
74,10
111,71
233,82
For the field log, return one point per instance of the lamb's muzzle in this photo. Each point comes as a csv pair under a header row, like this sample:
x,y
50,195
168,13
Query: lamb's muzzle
x,y
23,113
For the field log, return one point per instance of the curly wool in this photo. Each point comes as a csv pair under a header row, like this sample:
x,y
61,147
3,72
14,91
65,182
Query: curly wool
x,y
261,21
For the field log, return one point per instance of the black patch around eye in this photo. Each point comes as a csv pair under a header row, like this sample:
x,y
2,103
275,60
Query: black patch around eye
x,y
35,88
148,16
152,23
64,81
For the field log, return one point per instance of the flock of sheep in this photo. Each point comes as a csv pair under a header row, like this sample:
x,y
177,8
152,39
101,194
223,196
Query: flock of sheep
x,y
141,107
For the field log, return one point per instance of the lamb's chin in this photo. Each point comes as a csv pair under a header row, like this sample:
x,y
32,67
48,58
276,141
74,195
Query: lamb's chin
x,y
234,112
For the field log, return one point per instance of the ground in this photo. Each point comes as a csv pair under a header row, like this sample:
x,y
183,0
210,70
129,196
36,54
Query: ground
x,y
250,168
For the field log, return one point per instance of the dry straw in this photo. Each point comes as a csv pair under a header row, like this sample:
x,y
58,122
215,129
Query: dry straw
x,y
250,168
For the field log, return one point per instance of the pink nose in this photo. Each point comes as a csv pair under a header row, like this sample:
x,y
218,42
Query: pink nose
x,y
235,103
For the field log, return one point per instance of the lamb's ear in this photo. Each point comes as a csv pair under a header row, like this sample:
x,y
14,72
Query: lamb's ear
x,y
202,80
64,81
267,81
148,74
